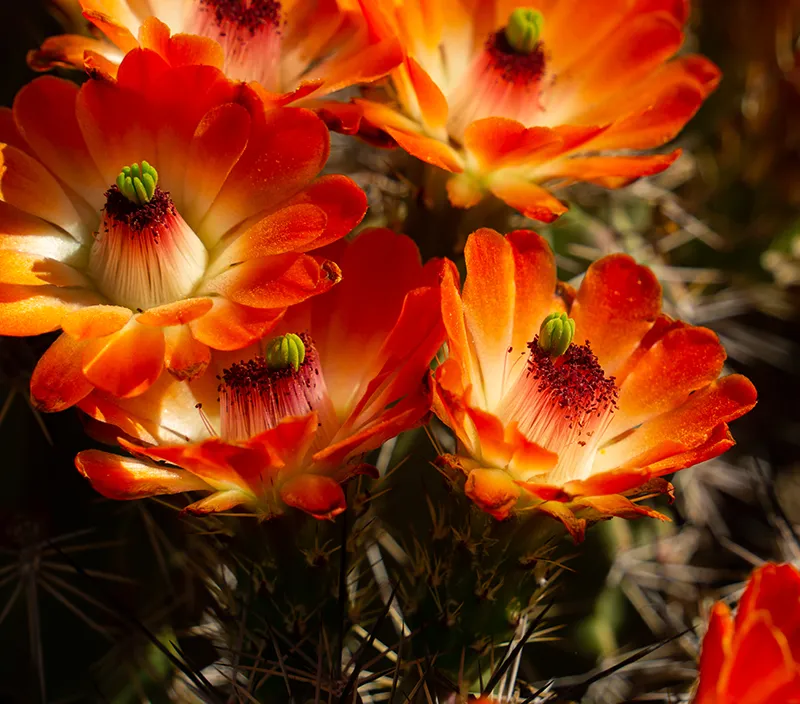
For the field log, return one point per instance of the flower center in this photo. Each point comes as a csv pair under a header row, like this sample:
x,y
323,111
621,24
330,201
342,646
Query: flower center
x,y
256,395
521,69
144,254
246,16
505,79
138,183
249,33
563,404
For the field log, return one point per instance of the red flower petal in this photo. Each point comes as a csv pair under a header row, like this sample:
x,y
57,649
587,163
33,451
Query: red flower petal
x,y
33,310
493,490
218,142
776,590
432,103
185,357
343,202
608,171
497,142
22,269
681,362
379,268
531,200
716,649
319,496
64,51
45,112
177,313
180,49
123,478
534,282
230,326
116,125
113,18
58,381
628,54
380,427
161,415
275,282
285,151
27,185
428,149
290,229
615,505
617,303
218,501
761,661
687,427
289,441
95,321
127,362
561,512
489,301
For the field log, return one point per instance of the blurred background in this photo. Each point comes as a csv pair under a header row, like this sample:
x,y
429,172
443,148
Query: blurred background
x,y
88,587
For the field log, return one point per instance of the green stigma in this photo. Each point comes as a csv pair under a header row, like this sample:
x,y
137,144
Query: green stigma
x,y
524,29
556,333
285,351
138,183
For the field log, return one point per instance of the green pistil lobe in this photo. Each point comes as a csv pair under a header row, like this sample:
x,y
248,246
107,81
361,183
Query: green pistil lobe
x,y
285,351
556,333
138,183
524,29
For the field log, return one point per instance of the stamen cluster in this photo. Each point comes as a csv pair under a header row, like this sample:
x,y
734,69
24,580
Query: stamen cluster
x,y
138,217
574,381
512,66
255,396
249,16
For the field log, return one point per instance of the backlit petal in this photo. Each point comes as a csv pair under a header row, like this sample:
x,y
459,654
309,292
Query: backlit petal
x,y
285,151
45,112
716,649
27,185
230,326
218,501
95,321
686,427
117,477
343,202
127,362
58,381
184,356
617,303
493,490
531,200
218,142
428,149
33,310
317,495
275,282
681,362
177,313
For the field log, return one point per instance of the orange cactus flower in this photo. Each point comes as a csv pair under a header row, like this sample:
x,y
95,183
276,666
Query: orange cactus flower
x,y
608,396
294,49
157,216
292,421
755,659
511,94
